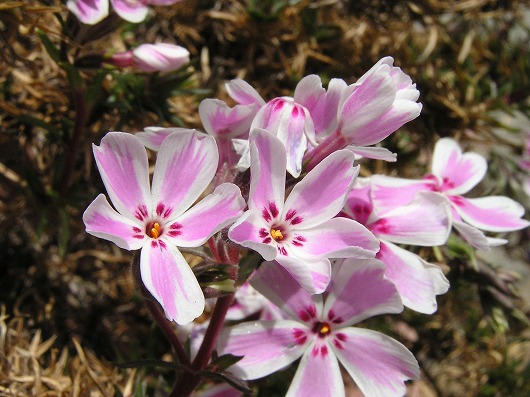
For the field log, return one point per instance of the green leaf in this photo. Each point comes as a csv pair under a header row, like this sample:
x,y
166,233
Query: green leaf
x,y
51,49
230,379
223,362
72,73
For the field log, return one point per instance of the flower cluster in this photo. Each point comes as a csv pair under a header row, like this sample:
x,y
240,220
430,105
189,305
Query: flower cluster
x,y
277,180
91,12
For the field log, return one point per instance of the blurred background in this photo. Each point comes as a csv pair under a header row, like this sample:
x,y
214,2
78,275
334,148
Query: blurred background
x,y
72,321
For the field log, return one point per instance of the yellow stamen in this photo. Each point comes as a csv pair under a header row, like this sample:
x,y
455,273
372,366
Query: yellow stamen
x,y
324,329
155,230
276,234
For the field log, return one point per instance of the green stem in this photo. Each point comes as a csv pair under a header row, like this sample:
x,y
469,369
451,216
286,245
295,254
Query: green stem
x,y
81,118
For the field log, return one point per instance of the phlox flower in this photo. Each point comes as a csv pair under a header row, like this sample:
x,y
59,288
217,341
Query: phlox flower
x,y
93,11
160,57
380,102
425,221
300,232
159,218
453,174
318,330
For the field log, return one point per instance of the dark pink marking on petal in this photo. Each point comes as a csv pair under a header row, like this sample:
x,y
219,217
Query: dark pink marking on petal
x,y
273,209
381,226
267,240
295,111
337,344
312,310
314,352
162,244
266,215
263,233
296,220
278,104
323,350
139,236
136,229
300,336
174,233
342,337
282,251
331,315
290,214
154,243
141,212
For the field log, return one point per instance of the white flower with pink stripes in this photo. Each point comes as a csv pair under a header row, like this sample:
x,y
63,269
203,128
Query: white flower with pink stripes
x,y
318,330
453,174
157,219
300,232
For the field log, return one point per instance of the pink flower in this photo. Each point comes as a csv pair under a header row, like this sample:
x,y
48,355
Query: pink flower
x,y
425,222
318,330
161,57
158,219
93,11
300,232
379,103
453,174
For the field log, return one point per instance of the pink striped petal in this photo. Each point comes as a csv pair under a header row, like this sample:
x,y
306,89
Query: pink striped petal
x,y
292,125
213,213
102,221
401,112
378,364
168,277
152,137
185,165
312,274
322,104
267,346
132,11
358,290
250,231
89,11
323,191
426,221
318,374
389,193
337,238
267,174
458,173
278,285
372,152
243,93
472,235
122,162
359,202
417,281
225,122
493,213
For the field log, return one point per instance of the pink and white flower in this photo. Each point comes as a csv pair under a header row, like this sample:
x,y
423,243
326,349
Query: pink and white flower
x,y
291,123
453,174
319,332
300,232
371,109
159,218
425,221
150,58
93,11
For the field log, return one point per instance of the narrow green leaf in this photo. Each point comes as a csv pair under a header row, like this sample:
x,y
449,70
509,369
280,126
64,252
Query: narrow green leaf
x,y
51,49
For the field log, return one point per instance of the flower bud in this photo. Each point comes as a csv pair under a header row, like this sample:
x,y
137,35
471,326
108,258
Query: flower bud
x,y
160,57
